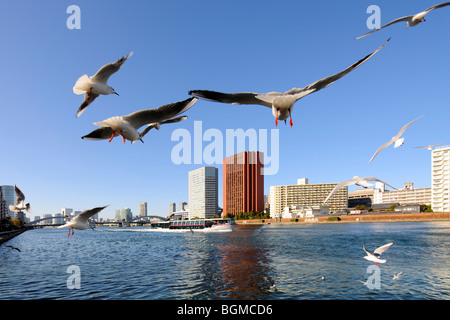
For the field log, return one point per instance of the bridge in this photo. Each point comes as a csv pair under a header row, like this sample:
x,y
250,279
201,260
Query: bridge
x,y
140,220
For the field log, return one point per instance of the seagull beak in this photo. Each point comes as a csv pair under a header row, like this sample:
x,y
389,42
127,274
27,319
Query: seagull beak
x,y
115,93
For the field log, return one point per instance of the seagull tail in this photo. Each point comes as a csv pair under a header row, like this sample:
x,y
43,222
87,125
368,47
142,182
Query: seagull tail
x,y
82,85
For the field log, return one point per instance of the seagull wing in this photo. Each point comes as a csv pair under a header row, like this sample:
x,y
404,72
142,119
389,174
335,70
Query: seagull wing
x,y
376,179
380,148
406,127
367,252
234,98
407,18
107,70
339,186
20,197
86,214
437,6
382,249
139,118
154,124
88,99
325,82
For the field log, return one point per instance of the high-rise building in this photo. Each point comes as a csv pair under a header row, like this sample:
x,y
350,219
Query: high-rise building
x,y
243,183
182,206
172,207
142,209
440,179
304,194
203,192
9,196
67,212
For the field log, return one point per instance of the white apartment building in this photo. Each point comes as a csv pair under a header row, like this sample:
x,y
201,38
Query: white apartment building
x,y
304,194
203,193
440,179
407,195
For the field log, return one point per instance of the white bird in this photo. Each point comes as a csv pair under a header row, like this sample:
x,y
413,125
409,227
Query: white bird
x,y
80,222
411,21
396,139
97,84
430,146
375,256
282,104
397,276
20,201
127,126
362,182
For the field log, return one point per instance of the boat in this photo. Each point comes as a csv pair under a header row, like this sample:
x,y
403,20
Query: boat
x,y
195,225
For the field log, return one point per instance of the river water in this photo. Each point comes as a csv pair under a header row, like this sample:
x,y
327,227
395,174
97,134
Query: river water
x,y
270,262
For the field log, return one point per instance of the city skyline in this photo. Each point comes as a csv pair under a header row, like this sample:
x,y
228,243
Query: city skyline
x,y
335,130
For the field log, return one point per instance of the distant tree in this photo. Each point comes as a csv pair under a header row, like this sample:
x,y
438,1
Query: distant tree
x,y
391,208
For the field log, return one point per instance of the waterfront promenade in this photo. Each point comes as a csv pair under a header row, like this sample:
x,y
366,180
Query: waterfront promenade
x,y
371,217
7,235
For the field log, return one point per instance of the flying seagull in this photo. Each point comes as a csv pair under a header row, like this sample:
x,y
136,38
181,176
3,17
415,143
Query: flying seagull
x,y
362,182
80,222
14,248
20,201
430,146
282,104
411,21
396,140
375,256
127,126
397,276
97,84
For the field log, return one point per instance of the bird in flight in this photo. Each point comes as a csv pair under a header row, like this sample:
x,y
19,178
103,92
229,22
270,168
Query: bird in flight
x,y
411,21
281,104
96,85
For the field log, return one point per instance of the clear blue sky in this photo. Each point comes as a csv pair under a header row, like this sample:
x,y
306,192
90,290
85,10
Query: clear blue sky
x,y
229,46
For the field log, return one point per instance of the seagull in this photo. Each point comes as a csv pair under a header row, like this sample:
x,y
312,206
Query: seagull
x,y
14,248
397,276
80,222
96,85
411,21
430,146
282,104
127,126
20,199
396,139
375,257
362,182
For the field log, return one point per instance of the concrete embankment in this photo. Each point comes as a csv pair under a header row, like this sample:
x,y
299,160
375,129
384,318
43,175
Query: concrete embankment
x,y
373,217
8,235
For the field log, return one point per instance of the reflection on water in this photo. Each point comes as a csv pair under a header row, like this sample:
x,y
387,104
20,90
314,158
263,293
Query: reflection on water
x,y
253,262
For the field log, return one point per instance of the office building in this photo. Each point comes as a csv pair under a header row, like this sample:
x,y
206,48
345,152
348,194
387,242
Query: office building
x,y
243,183
203,192
67,212
440,179
142,209
124,214
182,206
304,194
172,208
9,196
